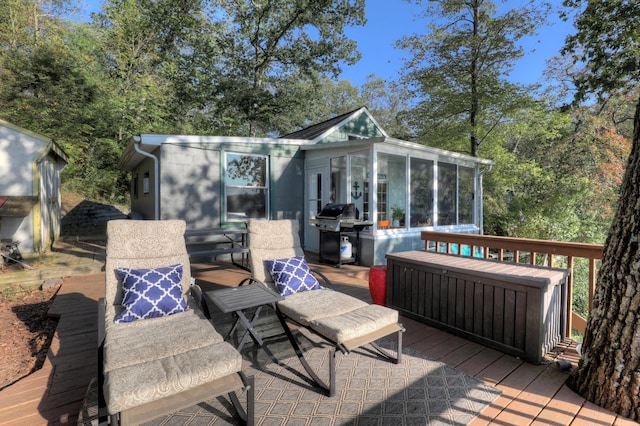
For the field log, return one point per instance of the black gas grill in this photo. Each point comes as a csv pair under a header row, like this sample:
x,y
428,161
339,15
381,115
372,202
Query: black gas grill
x,y
335,222
337,217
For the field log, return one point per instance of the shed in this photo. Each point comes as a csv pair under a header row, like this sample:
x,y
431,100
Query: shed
x,y
217,182
30,200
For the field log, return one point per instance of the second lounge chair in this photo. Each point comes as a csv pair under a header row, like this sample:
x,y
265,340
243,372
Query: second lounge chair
x,y
343,321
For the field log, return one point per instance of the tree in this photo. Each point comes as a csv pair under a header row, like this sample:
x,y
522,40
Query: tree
x,y
48,86
608,374
268,42
387,101
458,68
152,51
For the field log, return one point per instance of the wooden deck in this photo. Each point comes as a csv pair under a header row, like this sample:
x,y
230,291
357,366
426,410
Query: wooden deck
x,y
532,394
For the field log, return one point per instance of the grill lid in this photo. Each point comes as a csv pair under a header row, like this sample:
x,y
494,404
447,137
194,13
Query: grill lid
x,y
339,212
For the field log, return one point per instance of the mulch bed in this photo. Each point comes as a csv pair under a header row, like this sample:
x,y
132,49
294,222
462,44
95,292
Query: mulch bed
x,y
25,332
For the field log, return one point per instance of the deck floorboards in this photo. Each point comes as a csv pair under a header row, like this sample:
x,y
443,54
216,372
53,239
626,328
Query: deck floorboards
x,y
531,394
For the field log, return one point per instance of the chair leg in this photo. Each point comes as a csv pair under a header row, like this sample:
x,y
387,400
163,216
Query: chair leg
x,y
251,402
332,372
396,359
303,360
247,416
400,333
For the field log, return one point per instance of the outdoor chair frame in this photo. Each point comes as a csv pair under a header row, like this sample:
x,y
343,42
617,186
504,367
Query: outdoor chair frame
x,y
179,376
278,239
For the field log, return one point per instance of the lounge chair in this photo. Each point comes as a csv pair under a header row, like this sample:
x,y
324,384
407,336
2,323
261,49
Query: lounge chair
x,y
160,357
343,321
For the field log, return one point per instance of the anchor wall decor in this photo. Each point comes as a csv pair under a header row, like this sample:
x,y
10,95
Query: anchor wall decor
x,y
355,195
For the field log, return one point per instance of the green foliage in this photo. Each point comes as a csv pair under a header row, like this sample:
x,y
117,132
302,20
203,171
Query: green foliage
x,y
266,43
543,183
458,69
267,68
387,101
606,42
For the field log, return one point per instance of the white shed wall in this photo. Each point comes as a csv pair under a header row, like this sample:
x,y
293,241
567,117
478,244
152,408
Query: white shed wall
x,y
17,153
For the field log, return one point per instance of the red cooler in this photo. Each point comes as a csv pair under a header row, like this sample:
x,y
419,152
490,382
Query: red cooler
x,y
378,284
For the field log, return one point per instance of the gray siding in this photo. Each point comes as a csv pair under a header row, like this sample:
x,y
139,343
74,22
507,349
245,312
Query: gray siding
x,y
287,188
192,189
190,185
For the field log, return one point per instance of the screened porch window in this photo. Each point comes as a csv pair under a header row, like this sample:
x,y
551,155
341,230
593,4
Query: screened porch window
x,y
246,187
421,172
435,193
466,191
392,188
447,194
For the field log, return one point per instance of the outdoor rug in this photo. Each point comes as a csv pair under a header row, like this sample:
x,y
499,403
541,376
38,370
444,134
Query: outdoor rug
x,y
369,391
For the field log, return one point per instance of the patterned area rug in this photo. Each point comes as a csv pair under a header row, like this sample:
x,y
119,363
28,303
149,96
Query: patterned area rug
x,y
370,391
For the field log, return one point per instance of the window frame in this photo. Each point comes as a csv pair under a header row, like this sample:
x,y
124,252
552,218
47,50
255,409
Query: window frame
x,y
226,185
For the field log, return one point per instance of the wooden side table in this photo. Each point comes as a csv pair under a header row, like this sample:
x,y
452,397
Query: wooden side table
x,y
240,299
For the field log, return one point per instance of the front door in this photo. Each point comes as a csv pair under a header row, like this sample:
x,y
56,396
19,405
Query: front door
x,y
314,204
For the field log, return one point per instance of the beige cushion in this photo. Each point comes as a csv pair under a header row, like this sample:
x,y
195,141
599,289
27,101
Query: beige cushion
x,y
138,384
142,244
309,306
357,323
274,239
148,360
150,339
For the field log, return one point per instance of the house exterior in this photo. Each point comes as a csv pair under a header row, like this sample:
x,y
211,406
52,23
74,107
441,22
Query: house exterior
x,y
30,200
218,182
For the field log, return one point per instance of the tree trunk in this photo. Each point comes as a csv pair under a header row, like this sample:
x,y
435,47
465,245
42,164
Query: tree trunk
x,y
609,372
474,109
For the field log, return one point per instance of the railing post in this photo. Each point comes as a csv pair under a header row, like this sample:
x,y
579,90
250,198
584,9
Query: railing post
x,y
569,296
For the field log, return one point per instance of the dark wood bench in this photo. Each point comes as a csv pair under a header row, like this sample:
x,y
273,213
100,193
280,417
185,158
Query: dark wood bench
x,y
515,308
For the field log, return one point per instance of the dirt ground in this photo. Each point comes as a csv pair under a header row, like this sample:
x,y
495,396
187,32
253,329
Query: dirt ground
x,y
25,331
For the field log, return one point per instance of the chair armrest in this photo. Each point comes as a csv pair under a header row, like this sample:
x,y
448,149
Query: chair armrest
x,y
251,280
198,297
325,280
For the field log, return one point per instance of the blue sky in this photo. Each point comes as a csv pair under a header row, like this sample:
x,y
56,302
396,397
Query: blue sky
x,y
390,20
386,24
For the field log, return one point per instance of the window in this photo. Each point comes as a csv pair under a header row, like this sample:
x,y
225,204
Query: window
x,y
447,194
359,187
315,194
135,186
338,180
145,184
246,189
421,172
466,191
392,188
383,205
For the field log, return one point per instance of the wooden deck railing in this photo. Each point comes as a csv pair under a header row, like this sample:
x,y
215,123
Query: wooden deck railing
x,y
535,252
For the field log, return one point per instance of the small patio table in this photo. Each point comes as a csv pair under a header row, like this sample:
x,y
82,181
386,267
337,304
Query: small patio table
x,y
240,299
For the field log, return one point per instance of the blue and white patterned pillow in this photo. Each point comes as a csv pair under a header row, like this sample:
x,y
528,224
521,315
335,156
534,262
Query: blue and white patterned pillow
x,y
292,275
150,293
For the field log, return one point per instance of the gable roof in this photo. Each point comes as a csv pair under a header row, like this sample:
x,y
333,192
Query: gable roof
x,y
317,132
49,144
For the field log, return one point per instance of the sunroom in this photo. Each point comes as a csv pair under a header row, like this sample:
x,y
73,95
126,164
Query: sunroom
x,y
217,183
401,188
